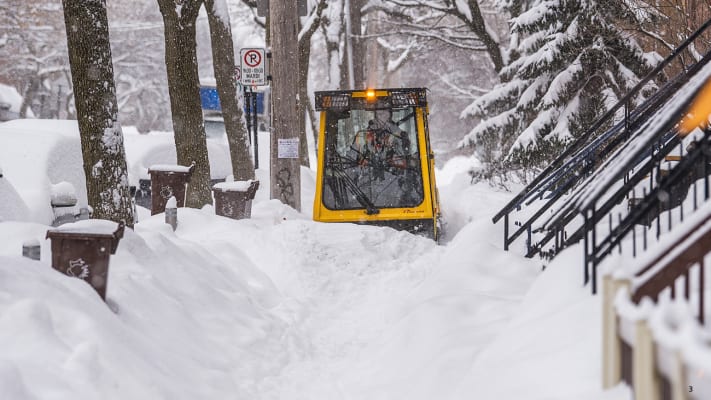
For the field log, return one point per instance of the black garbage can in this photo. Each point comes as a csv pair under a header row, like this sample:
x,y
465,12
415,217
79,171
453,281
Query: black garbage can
x,y
234,199
168,181
82,250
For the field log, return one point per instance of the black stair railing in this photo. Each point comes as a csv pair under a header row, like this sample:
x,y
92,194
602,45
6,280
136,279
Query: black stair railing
x,y
555,225
610,195
559,222
553,172
609,140
586,160
658,142
670,192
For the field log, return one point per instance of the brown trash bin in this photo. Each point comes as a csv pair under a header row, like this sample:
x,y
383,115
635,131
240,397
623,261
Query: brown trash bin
x,y
168,181
234,199
82,250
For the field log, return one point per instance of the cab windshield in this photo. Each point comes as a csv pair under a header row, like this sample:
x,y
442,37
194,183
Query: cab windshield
x,y
371,160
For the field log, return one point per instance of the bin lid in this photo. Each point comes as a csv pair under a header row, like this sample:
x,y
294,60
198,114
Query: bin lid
x,y
236,186
180,169
89,229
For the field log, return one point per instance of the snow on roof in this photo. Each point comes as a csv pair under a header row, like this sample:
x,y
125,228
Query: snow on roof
x,y
158,148
35,154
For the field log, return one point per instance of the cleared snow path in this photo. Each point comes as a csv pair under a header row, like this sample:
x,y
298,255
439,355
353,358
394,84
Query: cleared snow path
x,y
373,313
336,282
275,307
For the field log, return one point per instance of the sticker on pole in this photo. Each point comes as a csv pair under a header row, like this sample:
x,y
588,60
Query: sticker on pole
x,y
288,148
252,64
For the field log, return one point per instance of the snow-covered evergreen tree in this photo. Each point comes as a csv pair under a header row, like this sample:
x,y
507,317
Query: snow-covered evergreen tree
x,y
569,62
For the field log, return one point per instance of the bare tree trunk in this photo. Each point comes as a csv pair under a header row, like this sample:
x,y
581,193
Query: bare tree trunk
x,y
478,26
307,115
223,60
303,101
285,172
333,54
184,88
29,95
358,44
344,60
95,97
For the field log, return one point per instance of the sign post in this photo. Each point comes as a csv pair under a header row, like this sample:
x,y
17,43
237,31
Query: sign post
x,y
252,72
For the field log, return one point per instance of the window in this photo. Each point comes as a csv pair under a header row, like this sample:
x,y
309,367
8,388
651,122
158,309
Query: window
x,y
372,160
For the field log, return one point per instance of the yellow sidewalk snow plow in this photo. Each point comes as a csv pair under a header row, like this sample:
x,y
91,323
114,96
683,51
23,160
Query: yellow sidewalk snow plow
x,y
375,163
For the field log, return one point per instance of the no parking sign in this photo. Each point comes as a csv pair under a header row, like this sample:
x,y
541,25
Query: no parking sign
x,y
252,62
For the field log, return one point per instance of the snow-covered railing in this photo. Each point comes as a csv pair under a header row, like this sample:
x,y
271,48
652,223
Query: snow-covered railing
x,y
654,349
633,168
670,194
600,200
587,151
660,350
559,183
650,333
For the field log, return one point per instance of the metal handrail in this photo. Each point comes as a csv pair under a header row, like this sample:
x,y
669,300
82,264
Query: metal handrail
x,y
562,217
648,108
575,146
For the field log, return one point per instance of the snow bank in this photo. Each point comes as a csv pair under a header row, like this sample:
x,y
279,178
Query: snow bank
x,y
551,347
278,306
187,324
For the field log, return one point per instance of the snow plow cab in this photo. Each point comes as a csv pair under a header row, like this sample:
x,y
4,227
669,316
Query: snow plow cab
x,y
375,164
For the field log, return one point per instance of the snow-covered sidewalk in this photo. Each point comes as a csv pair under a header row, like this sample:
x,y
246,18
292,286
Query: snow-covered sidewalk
x,y
281,307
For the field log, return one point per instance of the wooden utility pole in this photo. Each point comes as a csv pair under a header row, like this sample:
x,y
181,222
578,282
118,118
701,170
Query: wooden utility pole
x,y
285,171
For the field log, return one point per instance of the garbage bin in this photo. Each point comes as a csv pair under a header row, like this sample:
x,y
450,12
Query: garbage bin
x,y
168,181
234,199
82,249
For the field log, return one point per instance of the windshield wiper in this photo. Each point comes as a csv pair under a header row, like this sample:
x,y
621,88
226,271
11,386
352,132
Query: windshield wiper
x,y
360,196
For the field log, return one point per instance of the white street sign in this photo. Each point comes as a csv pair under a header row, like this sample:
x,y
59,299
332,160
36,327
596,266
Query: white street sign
x,y
288,148
252,62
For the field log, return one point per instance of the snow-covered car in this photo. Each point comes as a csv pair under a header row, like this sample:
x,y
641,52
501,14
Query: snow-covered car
x,y
36,155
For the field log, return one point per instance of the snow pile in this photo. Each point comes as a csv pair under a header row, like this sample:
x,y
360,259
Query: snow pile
x,y
187,325
278,306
